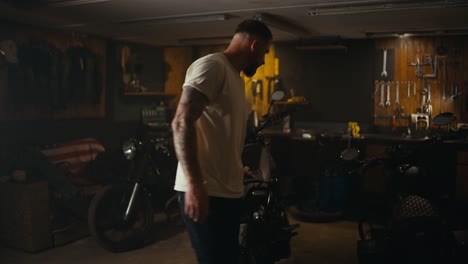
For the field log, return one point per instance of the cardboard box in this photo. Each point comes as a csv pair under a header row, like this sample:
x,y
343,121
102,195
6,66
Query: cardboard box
x,y
24,217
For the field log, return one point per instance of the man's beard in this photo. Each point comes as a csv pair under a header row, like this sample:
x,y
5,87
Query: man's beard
x,y
249,71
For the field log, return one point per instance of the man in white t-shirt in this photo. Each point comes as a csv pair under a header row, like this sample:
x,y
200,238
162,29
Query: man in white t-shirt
x,y
209,130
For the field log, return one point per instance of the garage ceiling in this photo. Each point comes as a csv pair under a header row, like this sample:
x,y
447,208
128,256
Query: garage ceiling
x,y
186,22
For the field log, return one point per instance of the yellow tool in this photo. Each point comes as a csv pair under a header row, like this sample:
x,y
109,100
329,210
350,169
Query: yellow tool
x,y
354,128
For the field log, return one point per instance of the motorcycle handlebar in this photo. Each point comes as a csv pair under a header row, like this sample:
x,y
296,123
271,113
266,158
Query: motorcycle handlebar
x,y
268,118
279,115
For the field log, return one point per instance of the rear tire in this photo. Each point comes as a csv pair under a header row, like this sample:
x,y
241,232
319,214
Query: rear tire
x,y
265,242
105,219
252,250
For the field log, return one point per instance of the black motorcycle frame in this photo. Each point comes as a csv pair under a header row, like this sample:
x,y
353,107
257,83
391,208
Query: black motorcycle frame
x,y
265,233
121,215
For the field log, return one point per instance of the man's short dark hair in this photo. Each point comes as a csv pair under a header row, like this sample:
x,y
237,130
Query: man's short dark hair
x,y
254,27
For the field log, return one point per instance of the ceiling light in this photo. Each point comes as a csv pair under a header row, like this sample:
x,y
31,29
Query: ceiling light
x,y
62,3
281,24
419,33
176,19
355,7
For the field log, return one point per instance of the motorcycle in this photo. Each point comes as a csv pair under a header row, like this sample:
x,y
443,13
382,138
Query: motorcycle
x,y
120,216
415,227
406,164
265,232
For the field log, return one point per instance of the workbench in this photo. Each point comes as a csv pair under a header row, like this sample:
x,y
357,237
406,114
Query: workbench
x,y
301,154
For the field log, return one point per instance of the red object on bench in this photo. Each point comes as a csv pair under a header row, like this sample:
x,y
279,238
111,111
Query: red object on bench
x,y
74,155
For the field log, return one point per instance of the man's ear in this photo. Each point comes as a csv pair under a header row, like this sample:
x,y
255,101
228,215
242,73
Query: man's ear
x,y
254,45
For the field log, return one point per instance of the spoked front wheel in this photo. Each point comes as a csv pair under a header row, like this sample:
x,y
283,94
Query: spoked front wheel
x,y
106,218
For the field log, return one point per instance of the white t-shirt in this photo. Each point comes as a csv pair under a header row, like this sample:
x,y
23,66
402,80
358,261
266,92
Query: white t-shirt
x,y
221,127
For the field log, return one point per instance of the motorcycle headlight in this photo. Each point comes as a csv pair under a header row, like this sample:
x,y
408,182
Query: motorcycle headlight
x,y
129,149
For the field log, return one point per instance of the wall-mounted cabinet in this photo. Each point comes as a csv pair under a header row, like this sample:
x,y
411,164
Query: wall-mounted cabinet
x,y
172,63
143,69
52,75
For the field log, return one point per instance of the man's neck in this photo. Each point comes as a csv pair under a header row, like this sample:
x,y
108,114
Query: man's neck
x,y
235,59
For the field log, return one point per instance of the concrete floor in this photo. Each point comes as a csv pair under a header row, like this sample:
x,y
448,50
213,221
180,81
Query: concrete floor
x,y
316,243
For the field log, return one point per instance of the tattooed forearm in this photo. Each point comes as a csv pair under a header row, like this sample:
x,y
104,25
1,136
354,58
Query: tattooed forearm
x,y
185,145
188,111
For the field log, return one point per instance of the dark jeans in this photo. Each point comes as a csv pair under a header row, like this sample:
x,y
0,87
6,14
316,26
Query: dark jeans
x,y
217,240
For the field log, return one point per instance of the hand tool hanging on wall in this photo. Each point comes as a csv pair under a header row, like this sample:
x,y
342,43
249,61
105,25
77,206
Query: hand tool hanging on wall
x,y
384,62
409,90
414,88
418,64
418,69
382,87
397,94
426,106
443,91
429,110
446,80
259,90
455,93
253,89
423,101
434,66
428,93
384,70
387,103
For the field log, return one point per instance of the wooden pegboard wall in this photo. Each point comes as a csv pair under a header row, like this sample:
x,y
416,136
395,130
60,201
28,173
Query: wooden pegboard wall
x,y
452,54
